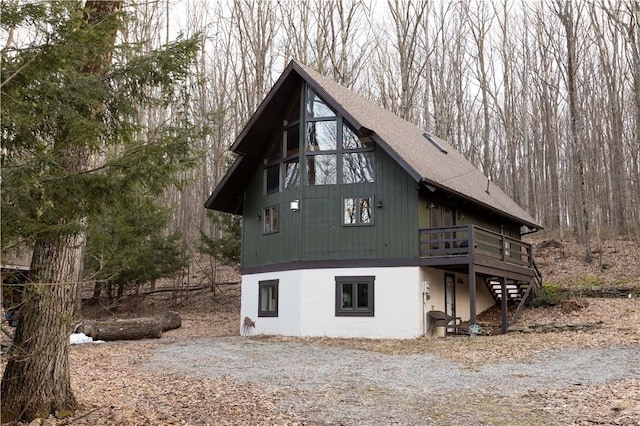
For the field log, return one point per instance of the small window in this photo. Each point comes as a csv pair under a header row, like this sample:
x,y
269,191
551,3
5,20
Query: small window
x,y
292,140
268,298
270,220
322,136
351,141
357,211
357,167
291,174
354,296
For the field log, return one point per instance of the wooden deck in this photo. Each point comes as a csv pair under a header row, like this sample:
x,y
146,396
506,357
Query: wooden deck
x,y
490,252
505,263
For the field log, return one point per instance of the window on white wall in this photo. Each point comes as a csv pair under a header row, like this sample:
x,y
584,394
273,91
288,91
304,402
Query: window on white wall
x,y
354,296
268,298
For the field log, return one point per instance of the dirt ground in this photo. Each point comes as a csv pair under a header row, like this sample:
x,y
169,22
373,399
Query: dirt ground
x,y
114,387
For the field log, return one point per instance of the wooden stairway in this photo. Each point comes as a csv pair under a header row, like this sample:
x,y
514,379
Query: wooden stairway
x,y
515,291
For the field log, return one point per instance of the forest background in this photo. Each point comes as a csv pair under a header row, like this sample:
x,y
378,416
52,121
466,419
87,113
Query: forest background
x,y
543,97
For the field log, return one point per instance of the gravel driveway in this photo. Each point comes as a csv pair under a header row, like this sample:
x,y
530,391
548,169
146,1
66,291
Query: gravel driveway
x,y
337,385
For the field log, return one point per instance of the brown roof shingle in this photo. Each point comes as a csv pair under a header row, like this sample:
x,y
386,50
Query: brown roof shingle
x,y
422,159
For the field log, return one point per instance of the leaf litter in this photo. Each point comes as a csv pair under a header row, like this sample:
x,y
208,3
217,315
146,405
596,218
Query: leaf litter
x,y
115,387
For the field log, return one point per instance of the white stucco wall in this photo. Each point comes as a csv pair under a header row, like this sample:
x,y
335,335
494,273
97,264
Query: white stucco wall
x,y
306,302
287,323
306,305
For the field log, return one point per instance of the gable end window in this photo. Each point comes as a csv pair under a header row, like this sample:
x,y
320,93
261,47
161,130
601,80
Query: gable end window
x,y
354,296
270,220
268,298
334,152
357,211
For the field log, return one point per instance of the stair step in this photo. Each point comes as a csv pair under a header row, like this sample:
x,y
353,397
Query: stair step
x,y
514,290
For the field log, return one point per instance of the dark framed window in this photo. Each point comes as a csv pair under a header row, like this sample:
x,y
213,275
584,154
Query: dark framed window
x,y
270,221
268,298
334,153
357,211
355,296
321,169
272,178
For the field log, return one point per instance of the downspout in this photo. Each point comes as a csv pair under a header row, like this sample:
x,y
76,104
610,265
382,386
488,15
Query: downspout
x,y
425,298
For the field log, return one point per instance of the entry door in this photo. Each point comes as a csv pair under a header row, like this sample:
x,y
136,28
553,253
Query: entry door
x,y
450,296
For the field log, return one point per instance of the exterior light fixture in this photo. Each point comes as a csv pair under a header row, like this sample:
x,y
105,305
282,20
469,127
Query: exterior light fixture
x,y
295,205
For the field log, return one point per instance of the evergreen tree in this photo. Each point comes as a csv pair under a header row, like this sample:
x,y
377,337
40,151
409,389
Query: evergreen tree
x,y
227,247
72,145
127,246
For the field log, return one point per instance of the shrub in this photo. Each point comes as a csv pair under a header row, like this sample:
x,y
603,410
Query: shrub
x,y
588,281
548,295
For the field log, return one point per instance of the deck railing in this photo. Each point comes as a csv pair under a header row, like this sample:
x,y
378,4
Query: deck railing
x,y
470,239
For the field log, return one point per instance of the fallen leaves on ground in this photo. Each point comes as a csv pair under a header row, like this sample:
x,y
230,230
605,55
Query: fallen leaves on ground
x,y
114,388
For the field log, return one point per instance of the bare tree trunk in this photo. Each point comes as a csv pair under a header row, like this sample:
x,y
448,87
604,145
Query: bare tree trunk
x,y
609,66
566,15
36,381
480,23
408,22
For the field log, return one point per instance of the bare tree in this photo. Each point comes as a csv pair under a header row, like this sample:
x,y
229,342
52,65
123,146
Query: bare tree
x,y
564,10
401,55
479,17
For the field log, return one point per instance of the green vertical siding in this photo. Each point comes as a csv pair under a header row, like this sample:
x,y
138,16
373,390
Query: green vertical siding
x,y
316,231
467,215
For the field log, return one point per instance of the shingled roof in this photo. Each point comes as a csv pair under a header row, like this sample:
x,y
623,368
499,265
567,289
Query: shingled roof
x,y
433,163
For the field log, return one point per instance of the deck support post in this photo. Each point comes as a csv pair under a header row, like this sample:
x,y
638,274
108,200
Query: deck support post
x,y
472,294
505,321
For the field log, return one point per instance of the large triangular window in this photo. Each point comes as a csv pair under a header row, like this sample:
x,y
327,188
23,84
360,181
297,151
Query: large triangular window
x,y
332,152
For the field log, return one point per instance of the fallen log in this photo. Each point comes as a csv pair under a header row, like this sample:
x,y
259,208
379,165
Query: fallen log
x,y
130,328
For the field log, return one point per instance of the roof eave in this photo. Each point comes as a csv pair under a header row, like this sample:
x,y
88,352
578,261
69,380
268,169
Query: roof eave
x,y
217,200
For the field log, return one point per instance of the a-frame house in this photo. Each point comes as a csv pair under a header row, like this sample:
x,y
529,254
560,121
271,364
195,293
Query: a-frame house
x,y
357,223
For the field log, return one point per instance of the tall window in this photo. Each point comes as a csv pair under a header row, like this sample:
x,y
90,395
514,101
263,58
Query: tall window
x,y
357,211
354,296
270,220
333,151
281,162
268,298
